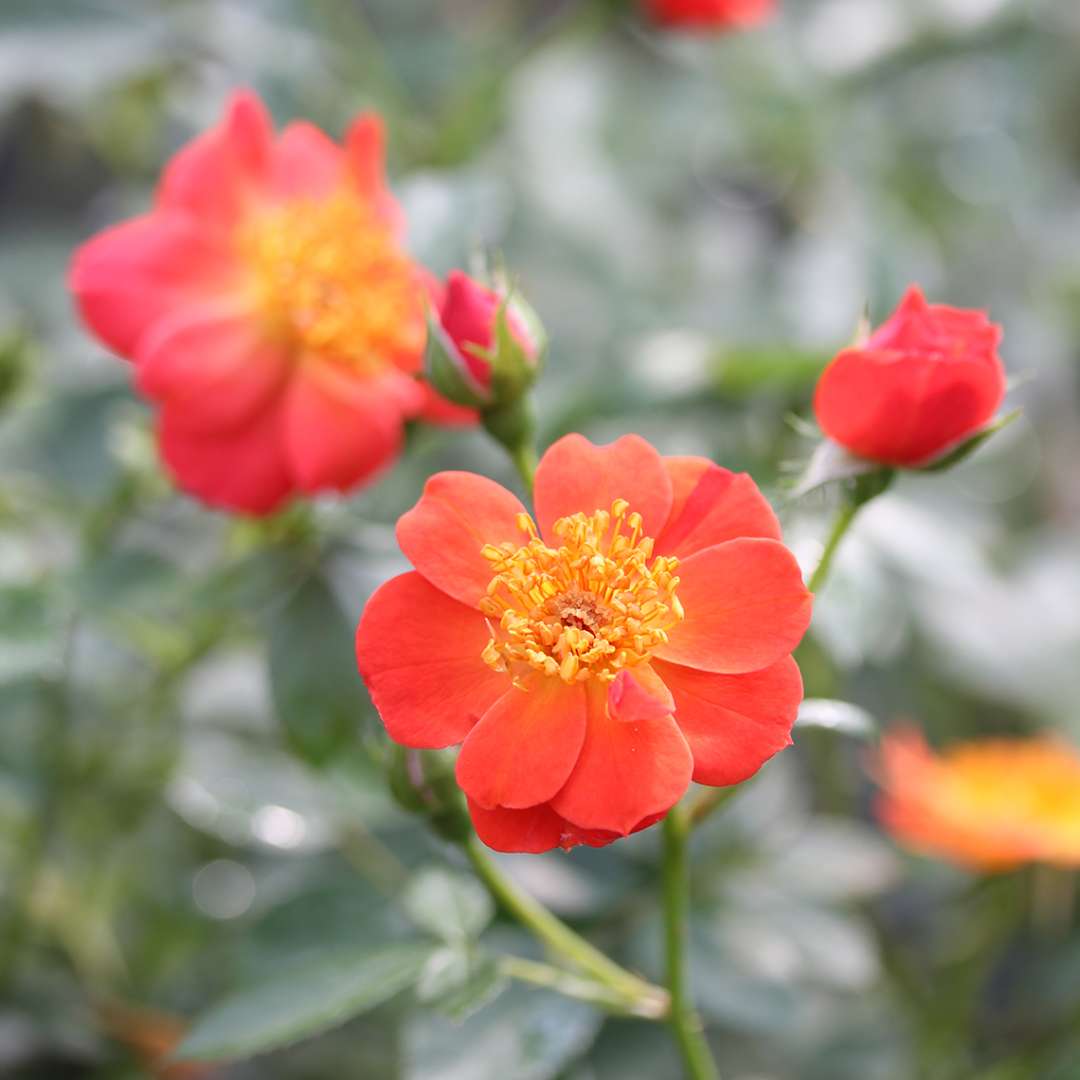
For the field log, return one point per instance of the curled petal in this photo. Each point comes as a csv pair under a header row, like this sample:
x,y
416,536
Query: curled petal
x,y
532,830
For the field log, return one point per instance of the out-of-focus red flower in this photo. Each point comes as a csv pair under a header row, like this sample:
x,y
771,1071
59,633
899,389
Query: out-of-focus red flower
x,y
988,805
269,309
710,14
468,317
152,1036
636,636
922,382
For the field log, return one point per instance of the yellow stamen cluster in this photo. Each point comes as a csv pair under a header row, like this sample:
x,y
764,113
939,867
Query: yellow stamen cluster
x,y
595,605
330,278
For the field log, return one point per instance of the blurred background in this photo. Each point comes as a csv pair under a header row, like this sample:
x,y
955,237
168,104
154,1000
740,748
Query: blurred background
x,y
190,789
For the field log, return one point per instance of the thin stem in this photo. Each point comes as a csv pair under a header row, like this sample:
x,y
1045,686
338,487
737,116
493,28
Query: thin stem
x,y
840,527
524,459
570,984
683,1017
646,999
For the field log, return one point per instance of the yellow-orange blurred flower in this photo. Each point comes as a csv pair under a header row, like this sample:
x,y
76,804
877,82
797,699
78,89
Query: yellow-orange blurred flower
x,y
989,805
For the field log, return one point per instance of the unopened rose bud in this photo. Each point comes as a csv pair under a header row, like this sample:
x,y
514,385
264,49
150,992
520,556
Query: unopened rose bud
x,y
484,344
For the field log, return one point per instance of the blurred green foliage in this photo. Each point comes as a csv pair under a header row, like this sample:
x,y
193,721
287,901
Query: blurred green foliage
x,y
191,799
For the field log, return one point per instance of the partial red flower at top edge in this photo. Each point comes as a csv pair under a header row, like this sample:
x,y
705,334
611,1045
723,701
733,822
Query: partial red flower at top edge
x,y
634,634
710,14
925,380
269,309
988,804
468,313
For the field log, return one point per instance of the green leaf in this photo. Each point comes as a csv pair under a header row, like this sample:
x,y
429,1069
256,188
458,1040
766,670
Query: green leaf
x,y
459,980
304,1000
839,716
316,689
829,463
525,1034
451,906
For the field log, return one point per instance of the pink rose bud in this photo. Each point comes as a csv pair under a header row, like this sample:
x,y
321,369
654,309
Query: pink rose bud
x,y
484,345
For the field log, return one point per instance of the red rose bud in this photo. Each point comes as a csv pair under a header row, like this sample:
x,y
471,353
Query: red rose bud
x,y
927,379
710,14
484,346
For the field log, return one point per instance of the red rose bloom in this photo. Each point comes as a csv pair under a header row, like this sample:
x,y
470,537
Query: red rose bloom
x,y
637,636
710,14
925,380
269,309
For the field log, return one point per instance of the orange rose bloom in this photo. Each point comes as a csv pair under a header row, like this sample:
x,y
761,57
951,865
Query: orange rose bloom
x,y
634,635
988,805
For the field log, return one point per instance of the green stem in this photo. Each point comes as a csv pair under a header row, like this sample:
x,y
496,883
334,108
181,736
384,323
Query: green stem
x,y
840,527
641,997
569,984
683,1017
524,459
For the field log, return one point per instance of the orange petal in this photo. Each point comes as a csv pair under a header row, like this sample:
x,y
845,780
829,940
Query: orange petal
x,y
713,505
574,476
627,771
443,534
533,830
639,694
746,606
734,723
419,653
525,746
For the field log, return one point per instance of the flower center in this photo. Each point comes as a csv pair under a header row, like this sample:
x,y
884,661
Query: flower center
x,y
330,278
595,605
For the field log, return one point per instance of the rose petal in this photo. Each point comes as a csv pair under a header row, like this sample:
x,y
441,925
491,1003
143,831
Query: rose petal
x,y
443,534
574,476
720,505
734,723
533,830
419,653
218,174
524,747
341,429
627,771
746,606
129,276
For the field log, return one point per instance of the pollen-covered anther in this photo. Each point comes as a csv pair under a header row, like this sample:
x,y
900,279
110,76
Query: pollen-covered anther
x,y
329,278
598,603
